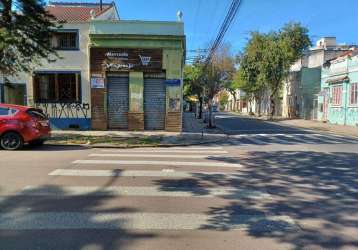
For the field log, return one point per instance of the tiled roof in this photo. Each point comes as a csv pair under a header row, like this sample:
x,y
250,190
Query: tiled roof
x,y
75,13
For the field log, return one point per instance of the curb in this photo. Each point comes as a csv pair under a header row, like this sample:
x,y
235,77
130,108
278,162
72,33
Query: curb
x,y
138,146
278,122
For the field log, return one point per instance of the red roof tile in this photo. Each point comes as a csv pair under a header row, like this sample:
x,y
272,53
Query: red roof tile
x,y
75,13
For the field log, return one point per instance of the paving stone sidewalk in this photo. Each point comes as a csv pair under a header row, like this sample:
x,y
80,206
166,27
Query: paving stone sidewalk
x,y
194,133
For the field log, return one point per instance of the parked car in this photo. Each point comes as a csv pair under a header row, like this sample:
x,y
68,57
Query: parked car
x,y
20,124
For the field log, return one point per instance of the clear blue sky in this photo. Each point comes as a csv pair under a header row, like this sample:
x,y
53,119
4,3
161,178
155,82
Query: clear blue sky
x,y
203,17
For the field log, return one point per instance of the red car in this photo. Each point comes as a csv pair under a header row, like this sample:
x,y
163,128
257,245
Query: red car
x,y
20,124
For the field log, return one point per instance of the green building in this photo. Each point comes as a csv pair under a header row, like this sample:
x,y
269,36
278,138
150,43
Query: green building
x,y
338,99
136,72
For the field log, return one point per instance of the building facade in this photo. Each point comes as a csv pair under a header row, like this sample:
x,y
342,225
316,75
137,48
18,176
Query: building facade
x,y
338,99
301,88
139,66
111,74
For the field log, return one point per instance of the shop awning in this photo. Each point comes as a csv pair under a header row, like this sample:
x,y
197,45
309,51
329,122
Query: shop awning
x,y
339,79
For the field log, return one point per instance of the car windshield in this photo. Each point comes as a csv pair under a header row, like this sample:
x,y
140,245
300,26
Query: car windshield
x,y
37,113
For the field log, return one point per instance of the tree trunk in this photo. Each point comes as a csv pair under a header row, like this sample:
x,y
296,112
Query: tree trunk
x,y
272,103
272,106
200,107
235,103
210,124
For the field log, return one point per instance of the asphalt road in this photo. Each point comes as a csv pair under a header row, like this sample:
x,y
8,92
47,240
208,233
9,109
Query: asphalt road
x,y
254,191
234,124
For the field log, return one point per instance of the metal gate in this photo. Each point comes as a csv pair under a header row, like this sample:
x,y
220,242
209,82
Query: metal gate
x,y
154,101
118,101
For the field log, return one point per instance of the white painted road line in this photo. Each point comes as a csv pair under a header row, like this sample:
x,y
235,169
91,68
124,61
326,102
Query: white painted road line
x,y
160,163
202,156
176,148
277,140
152,191
297,138
164,151
141,221
255,141
140,173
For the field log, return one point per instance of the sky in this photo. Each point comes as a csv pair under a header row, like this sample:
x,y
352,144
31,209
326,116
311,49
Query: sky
x,y
202,18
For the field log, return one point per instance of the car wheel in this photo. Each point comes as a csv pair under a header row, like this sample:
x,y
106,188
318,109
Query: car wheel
x,y
36,143
11,141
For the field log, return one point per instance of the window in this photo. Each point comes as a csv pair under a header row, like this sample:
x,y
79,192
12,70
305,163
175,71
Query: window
x,y
57,87
7,111
353,94
4,111
65,40
337,95
37,113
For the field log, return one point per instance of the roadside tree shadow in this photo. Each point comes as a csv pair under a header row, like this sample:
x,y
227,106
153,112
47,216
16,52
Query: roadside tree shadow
x,y
48,217
318,191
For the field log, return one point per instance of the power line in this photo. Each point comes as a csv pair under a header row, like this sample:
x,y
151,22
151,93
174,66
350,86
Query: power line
x,y
223,29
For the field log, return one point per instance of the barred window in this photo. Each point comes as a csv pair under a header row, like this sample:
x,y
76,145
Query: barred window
x,y
336,95
57,87
354,94
65,40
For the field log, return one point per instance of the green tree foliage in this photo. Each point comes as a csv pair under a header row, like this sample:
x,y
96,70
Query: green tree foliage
x,y
268,57
218,73
193,85
223,99
25,31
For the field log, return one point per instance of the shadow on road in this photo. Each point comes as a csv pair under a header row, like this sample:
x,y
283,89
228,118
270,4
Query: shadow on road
x,y
318,191
89,231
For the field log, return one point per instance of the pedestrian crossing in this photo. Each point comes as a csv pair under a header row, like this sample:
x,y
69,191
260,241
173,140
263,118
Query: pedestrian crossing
x,y
178,175
290,139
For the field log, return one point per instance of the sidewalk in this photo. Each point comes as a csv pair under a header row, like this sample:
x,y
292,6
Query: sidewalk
x,y
308,124
194,125
316,125
194,133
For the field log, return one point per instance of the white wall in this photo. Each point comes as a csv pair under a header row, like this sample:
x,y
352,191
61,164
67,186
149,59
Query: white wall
x,y
72,60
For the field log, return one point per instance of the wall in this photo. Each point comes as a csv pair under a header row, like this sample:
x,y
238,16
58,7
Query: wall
x,y
310,86
173,51
345,114
63,115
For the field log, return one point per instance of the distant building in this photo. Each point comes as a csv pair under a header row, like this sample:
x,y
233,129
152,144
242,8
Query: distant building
x,y
301,88
338,98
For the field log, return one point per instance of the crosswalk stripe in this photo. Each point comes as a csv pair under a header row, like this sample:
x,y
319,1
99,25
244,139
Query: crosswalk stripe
x,y
139,173
202,156
226,193
278,140
255,141
177,148
141,221
297,138
166,163
164,151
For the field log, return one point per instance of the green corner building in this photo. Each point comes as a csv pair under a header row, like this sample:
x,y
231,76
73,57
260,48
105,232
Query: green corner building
x,y
136,74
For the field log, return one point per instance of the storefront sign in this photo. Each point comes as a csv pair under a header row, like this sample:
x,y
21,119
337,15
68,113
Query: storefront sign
x,y
103,59
173,82
97,83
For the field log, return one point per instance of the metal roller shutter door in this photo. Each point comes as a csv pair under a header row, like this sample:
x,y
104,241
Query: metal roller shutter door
x,y
154,102
118,102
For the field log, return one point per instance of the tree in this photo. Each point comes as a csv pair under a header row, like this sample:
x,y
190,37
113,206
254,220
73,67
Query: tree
x,y
281,50
223,99
193,85
25,35
268,57
218,72
232,87
249,71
